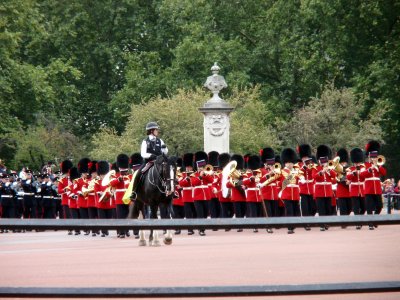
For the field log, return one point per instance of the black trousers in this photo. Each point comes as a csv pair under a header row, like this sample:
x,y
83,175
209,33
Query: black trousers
x,y
344,206
324,206
8,211
66,212
373,204
215,208
30,207
240,209
226,210
93,212
292,209
179,211
74,213
201,209
272,208
104,214
122,213
307,204
190,210
358,204
48,212
253,209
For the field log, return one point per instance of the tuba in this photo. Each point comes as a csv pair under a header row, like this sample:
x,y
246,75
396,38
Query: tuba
x,y
229,171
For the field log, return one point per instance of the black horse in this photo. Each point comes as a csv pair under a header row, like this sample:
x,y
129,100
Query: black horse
x,y
154,187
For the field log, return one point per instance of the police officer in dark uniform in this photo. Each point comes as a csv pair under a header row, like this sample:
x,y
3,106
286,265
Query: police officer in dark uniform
x,y
47,192
30,203
7,197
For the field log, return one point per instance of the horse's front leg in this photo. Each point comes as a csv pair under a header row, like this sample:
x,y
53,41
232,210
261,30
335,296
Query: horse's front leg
x,y
153,215
142,238
168,237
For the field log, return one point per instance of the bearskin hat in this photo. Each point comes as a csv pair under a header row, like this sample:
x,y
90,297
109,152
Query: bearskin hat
x,y
240,161
114,167
83,165
74,173
246,160
188,160
288,155
213,158
372,146
92,166
356,155
179,162
267,153
254,162
343,154
135,160
200,155
102,167
223,160
324,151
278,159
65,166
304,150
122,161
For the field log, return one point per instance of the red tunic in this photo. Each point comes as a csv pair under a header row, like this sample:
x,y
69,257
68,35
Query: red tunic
x,y
372,181
292,191
82,200
270,191
99,190
187,189
72,196
62,189
252,191
323,182
120,186
221,198
201,191
306,184
237,194
356,187
91,197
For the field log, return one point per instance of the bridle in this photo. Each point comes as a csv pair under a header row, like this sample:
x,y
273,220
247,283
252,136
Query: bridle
x,y
155,173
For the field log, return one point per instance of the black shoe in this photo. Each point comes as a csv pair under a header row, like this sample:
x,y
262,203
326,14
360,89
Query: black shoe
x,y
103,235
307,228
255,230
240,230
215,229
69,232
94,234
269,230
87,232
178,231
1,231
77,232
190,232
227,229
290,231
202,233
371,227
122,236
358,227
326,227
344,227
322,228
137,236
127,234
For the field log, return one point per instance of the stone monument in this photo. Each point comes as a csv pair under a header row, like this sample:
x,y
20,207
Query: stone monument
x,y
216,115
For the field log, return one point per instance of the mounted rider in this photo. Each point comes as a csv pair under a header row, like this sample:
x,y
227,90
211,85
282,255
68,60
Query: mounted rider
x,y
151,147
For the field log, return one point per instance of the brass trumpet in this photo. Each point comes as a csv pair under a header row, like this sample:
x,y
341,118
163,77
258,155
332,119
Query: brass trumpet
x,y
380,160
208,169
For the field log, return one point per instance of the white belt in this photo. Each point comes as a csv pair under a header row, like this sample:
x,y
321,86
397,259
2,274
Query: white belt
x,y
253,189
120,190
292,185
29,194
47,197
201,187
6,196
356,183
271,184
307,181
187,188
91,194
324,183
373,178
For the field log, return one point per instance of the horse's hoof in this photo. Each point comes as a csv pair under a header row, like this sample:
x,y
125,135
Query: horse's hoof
x,y
156,244
167,241
142,243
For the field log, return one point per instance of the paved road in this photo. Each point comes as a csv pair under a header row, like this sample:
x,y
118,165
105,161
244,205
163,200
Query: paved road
x,y
49,259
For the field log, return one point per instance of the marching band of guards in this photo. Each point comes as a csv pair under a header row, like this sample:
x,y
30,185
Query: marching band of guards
x,y
294,183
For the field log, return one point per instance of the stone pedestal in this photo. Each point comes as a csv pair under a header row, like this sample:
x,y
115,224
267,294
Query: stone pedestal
x,y
216,115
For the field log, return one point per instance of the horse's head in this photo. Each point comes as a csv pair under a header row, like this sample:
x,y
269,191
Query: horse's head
x,y
167,169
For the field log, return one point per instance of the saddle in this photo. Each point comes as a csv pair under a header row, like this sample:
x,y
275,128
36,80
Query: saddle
x,y
139,179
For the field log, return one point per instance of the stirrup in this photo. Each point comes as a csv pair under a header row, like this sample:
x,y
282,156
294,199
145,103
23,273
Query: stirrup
x,y
133,196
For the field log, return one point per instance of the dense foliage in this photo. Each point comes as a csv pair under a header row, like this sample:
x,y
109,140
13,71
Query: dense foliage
x,y
93,66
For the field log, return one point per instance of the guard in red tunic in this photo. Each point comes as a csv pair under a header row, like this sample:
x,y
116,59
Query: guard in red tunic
x,y
91,195
235,183
73,194
324,177
343,191
201,190
356,182
103,194
372,174
306,184
226,203
214,205
82,186
63,183
177,201
289,182
187,189
269,182
251,182
120,183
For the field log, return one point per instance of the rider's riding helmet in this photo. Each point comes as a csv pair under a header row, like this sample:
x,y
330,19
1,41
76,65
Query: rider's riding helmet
x,y
152,125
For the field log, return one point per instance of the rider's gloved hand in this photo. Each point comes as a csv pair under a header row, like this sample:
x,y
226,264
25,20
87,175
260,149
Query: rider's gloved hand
x,y
153,157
